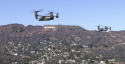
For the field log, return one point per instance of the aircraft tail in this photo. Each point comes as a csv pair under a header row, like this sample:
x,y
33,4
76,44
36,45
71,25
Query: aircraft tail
x,y
51,16
98,28
57,15
110,28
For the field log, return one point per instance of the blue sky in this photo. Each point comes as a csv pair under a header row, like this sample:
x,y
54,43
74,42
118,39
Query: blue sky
x,y
85,13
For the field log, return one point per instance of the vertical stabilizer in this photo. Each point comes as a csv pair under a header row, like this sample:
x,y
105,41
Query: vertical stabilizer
x,y
57,15
110,28
51,15
98,28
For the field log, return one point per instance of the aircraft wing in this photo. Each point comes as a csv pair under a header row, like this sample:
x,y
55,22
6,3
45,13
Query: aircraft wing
x,y
103,27
40,15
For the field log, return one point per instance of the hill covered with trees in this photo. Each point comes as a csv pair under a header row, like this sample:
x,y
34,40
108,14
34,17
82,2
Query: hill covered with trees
x,y
111,45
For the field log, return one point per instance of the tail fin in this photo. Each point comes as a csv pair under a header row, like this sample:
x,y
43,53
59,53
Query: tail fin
x,y
110,28
57,15
51,15
98,28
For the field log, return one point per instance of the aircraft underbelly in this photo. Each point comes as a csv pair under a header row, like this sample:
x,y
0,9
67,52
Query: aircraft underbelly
x,y
104,29
46,19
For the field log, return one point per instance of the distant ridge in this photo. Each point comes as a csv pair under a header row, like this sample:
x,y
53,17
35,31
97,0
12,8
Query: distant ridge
x,y
107,44
61,32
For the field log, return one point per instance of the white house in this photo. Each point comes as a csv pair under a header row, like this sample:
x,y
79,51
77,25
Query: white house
x,y
102,62
15,54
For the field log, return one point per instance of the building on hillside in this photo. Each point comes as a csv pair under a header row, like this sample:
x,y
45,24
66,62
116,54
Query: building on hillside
x,y
10,42
102,62
15,54
40,63
112,60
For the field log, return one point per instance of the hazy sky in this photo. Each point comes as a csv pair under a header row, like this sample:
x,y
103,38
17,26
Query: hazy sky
x,y
85,13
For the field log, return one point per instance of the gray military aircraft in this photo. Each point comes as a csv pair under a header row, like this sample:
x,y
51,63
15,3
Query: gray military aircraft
x,y
19,30
103,29
45,18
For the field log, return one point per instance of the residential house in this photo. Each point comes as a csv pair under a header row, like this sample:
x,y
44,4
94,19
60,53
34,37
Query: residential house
x,y
97,57
72,50
49,49
76,57
111,60
71,60
83,61
41,63
32,52
14,62
102,62
33,62
10,42
15,54
61,61
85,46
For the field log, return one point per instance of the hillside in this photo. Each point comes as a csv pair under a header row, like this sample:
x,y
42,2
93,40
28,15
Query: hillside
x,y
37,33
109,44
61,32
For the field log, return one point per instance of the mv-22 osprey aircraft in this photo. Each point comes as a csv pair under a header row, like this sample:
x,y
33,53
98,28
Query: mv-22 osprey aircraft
x,y
19,30
103,29
45,18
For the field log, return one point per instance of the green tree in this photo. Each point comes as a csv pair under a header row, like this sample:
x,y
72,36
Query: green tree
x,y
90,45
78,54
105,45
106,61
85,57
